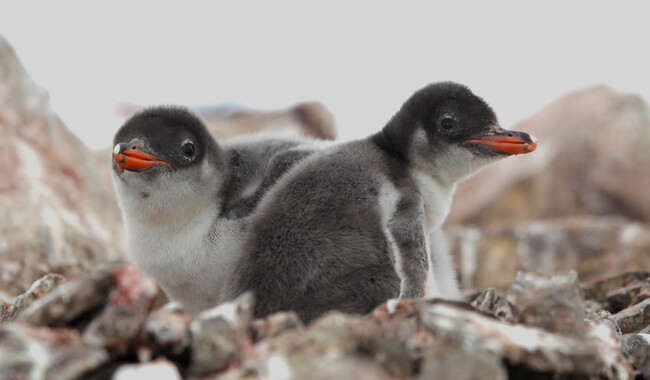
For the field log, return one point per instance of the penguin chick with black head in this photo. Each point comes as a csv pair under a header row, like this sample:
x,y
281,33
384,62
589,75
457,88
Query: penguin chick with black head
x,y
348,227
185,198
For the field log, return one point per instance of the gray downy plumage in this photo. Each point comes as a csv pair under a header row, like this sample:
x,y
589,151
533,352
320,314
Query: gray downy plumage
x,y
185,198
348,227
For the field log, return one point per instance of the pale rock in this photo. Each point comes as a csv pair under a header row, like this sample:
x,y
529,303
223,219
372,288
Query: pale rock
x,y
595,247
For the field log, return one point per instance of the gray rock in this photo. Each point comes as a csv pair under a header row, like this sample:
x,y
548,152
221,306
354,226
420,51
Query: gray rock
x,y
38,289
637,348
595,247
400,339
166,332
606,337
119,323
31,352
338,341
604,316
530,347
442,363
71,299
221,335
620,291
401,325
490,302
275,324
628,296
349,368
8,312
634,318
57,211
552,302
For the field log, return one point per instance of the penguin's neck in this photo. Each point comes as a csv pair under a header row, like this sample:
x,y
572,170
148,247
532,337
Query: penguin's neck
x,y
437,196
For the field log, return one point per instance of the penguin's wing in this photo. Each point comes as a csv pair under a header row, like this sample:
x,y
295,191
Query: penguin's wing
x,y
280,164
406,229
276,167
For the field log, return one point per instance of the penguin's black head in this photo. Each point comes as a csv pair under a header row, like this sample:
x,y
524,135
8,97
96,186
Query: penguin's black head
x,y
447,114
444,130
161,139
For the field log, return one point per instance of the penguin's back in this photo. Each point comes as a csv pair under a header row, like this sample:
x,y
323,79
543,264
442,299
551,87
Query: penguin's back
x,y
318,240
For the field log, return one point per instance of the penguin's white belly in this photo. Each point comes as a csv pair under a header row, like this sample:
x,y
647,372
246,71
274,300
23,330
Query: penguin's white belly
x,y
190,263
441,277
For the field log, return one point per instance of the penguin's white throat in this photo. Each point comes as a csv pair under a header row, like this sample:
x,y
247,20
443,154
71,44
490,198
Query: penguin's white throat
x,y
447,164
170,197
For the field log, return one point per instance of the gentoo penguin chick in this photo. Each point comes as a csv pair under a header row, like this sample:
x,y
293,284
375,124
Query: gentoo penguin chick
x,y
185,198
347,228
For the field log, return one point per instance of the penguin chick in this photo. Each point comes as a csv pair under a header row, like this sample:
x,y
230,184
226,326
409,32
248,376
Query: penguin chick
x,y
185,198
347,228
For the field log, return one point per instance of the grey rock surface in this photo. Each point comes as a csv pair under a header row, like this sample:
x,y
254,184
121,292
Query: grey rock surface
x,y
552,302
57,209
33,352
71,299
120,334
634,318
166,332
490,255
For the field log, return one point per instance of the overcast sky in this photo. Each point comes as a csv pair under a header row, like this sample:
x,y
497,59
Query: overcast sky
x,y
361,59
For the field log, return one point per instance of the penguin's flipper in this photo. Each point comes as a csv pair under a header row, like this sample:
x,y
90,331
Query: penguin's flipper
x,y
406,230
280,164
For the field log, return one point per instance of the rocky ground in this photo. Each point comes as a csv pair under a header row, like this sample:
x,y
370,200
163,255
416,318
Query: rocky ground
x,y
105,324
553,249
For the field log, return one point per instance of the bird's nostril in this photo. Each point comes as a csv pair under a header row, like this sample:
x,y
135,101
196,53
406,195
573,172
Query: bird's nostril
x,y
510,134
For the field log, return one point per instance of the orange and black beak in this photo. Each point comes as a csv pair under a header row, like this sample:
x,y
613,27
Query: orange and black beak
x,y
130,157
507,142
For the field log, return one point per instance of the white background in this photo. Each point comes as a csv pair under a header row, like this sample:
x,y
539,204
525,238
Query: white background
x,y
361,59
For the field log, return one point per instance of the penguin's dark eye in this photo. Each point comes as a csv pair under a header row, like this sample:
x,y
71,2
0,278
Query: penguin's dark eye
x,y
188,149
447,123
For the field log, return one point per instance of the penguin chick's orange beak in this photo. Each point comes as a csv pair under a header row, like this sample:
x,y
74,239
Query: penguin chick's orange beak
x,y
134,159
508,142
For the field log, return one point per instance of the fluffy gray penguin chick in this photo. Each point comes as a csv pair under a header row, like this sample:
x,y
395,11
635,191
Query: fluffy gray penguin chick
x,y
185,198
348,227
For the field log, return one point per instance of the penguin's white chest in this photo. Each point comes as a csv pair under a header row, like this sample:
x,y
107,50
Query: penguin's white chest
x,y
437,200
187,263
